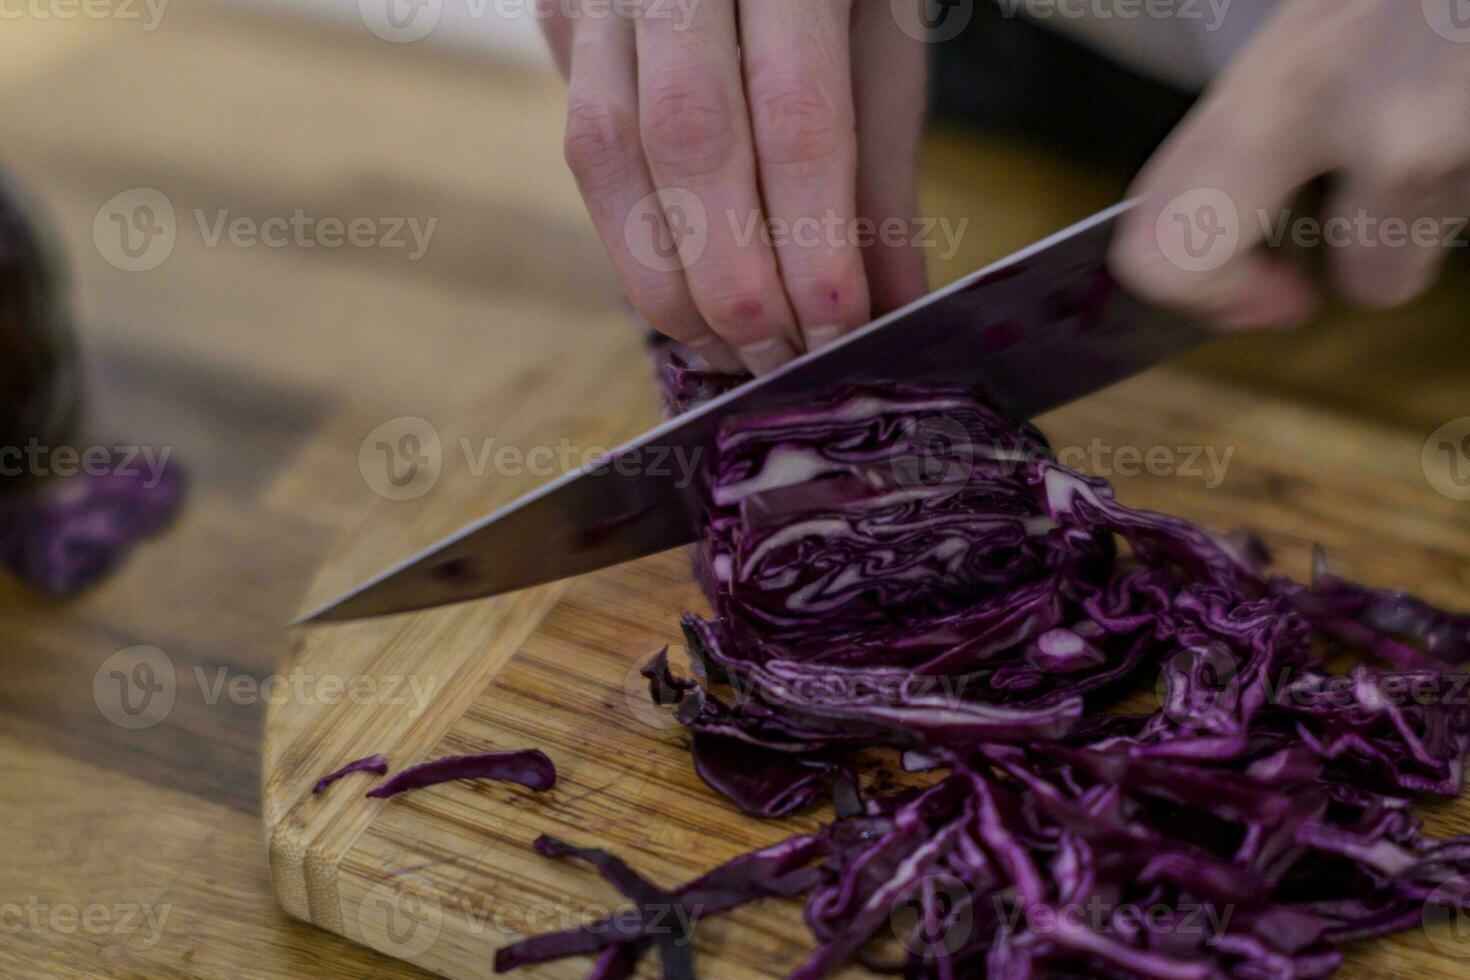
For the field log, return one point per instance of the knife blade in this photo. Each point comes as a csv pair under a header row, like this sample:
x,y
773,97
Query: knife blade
x,y
1034,331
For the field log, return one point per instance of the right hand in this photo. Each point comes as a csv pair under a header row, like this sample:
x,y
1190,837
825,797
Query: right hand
x,y
800,113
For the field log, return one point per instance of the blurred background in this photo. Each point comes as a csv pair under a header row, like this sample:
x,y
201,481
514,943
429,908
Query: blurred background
x,y
264,364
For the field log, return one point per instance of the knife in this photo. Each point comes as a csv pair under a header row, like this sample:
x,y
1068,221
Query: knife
x,y
1034,331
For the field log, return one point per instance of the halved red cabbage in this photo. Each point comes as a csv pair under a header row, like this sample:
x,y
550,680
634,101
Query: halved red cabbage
x,y
907,568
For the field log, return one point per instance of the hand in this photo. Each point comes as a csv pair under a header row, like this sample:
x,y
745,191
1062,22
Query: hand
x,y
1374,92
745,115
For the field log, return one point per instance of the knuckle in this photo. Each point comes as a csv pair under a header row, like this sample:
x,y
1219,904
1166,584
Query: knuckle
x,y
689,123
796,120
664,302
1314,75
601,141
737,308
1417,176
831,295
1309,65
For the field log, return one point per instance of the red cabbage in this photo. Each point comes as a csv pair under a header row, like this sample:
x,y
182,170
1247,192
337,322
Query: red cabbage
x,y
528,767
373,763
664,686
66,533
903,568
775,871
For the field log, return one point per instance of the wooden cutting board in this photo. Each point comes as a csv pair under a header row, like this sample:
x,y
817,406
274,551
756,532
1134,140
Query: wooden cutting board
x,y
444,876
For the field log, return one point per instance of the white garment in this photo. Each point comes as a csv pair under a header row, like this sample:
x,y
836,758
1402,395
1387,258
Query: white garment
x,y
1183,42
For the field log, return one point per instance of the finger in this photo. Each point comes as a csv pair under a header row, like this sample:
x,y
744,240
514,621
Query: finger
x,y
1387,221
557,26
889,86
798,82
1384,247
696,135
604,152
1208,199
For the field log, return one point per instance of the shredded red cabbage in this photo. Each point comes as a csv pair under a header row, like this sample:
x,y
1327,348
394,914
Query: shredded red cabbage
x,y
528,767
619,940
373,763
909,569
68,532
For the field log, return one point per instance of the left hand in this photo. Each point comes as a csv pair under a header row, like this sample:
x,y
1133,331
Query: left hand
x,y
755,114
1369,91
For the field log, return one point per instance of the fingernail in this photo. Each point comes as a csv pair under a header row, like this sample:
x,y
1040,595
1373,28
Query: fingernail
x,y
819,337
1252,313
1266,314
1399,287
1242,320
766,356
716,355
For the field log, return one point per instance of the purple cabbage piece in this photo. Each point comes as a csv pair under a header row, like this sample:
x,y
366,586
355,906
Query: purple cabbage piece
x,y
781,870
760,781
67,533
373,763
905,568
664,686
528,767
661,913
1393,626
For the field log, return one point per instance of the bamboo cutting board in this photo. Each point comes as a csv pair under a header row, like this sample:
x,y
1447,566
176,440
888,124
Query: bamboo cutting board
x,y
444,876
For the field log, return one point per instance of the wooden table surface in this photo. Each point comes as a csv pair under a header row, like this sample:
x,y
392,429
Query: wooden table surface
x,y
139,852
